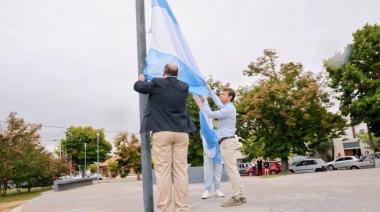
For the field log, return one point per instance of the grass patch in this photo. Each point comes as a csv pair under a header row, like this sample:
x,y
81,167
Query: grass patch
x,y
271,176
13,199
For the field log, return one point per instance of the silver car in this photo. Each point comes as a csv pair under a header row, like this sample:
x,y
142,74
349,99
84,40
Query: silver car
x,y
341,162
242,167
308,165
365,162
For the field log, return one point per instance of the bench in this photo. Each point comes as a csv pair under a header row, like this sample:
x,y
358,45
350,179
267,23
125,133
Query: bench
x,y
61,185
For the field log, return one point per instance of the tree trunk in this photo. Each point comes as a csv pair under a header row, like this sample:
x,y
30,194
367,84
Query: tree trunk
x,y
285,165
371,144
4,191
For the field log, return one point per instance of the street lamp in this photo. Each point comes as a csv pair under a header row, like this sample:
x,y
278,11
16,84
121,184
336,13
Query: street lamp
x,y
85,155
97,164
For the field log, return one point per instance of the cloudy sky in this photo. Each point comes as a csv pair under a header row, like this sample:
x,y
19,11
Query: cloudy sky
x,y
74,62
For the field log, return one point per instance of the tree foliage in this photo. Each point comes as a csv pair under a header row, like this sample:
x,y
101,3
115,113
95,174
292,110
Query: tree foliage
x,y
22,157
355,76
286,109
364,137
128,151
112,167
74,146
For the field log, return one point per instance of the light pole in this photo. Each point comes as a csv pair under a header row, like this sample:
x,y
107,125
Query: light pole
x,y
97,164
85,155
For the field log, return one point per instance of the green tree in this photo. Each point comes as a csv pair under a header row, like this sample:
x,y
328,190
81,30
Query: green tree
x,y
23,158
93,168
60,166
355,76
252,148
364,137
286,109
74,146
112,167
129,152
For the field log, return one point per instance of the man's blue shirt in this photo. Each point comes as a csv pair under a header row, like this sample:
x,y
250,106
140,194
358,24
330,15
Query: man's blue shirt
x,y
226,116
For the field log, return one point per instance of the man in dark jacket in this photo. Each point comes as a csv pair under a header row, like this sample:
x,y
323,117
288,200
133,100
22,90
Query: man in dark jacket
x,y
260,167
166,116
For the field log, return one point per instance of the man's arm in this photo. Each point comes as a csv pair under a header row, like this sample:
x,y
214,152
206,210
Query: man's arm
x,y
214,97
143,87
222,113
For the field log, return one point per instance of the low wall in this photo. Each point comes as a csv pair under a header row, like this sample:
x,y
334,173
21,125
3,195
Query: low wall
x,y
61,185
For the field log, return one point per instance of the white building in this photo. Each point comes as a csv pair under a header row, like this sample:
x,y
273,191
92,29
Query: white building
x,y
349,145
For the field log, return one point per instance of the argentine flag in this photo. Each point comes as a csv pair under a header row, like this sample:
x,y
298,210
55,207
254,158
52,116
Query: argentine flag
x,y
168,45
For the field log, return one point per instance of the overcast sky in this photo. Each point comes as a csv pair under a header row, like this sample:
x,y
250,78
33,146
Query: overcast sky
x,y
73,62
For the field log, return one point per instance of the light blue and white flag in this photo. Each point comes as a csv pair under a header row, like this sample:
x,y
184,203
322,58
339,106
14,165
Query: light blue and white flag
x,y
168,45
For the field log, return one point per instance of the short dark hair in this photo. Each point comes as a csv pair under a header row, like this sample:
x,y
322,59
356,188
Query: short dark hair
x,y
169,71
231,92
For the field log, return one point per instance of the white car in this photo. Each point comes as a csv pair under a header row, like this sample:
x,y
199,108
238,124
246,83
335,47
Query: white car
x,y
10,185
341,162
308,165
96,175
365,162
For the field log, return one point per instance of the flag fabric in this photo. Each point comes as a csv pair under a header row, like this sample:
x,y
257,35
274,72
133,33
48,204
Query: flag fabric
x,y
168,45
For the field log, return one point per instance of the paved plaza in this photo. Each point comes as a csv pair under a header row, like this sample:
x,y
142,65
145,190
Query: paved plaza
x,y
341,190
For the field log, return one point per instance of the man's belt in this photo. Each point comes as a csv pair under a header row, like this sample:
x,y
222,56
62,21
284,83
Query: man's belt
x,y
224,138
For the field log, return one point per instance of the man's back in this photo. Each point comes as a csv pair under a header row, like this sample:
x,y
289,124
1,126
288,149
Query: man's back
x,y
169,93
166,108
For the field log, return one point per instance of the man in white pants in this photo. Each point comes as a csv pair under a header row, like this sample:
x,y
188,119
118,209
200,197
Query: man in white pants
x,y
212,174
212,162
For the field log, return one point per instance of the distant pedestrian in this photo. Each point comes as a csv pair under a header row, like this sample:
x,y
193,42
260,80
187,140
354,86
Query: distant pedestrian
x,y
88,173
259,166
266,167
253,164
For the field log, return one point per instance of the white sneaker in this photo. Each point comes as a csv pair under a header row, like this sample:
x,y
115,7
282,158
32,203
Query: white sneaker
x,y
218,193
206,195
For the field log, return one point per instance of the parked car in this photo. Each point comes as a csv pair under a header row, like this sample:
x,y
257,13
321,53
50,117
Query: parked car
x,y
242,167
365,162
27,185
377,155
96,175
308,165
10,185
274,168
341,162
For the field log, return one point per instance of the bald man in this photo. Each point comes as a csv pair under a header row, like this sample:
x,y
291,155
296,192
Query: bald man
x,y
166,116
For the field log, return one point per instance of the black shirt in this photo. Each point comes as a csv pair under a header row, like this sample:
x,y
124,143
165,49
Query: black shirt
x,y
260,163
266,165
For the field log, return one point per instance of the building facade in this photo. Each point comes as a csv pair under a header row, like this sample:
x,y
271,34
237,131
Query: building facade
x,y
349,144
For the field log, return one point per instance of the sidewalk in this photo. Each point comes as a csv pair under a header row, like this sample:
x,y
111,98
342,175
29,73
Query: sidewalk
x,y
341,190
